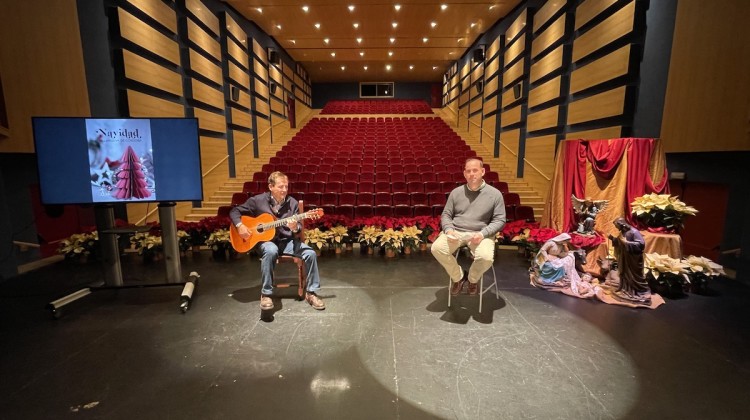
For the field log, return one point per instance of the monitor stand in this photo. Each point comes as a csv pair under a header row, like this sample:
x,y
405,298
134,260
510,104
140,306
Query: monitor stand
x,y
105,224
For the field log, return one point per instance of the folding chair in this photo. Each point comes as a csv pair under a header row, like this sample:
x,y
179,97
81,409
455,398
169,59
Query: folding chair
x,y
482,289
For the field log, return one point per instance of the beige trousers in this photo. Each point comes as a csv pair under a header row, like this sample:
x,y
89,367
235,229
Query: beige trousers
x,y
484,255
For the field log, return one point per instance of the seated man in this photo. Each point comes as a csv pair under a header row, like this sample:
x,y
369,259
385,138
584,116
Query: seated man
x,y
473,214
277,203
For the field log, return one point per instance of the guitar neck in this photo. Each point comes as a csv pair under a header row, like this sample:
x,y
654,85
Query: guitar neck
x,y
282,222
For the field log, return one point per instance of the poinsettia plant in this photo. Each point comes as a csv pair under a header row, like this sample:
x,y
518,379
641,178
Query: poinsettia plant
x,y
661,212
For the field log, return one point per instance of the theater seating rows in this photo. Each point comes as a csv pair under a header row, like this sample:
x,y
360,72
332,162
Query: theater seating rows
x,y
380,106
395,166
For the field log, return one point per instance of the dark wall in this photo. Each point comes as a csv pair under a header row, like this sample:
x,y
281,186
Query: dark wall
x,y
657,50
100,74
324,92
17,174
730,169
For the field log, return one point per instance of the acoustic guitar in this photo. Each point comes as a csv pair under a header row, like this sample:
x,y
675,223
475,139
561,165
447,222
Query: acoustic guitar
x,y
263,228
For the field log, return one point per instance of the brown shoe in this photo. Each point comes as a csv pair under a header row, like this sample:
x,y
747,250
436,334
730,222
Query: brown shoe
x,y
315,301
266,303
458,285
473,289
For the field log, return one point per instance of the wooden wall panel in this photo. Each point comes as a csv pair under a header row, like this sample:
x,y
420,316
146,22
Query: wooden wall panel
x,y
589,9
545,92
138,32
241,118
205,67
517,26
509,140
203,13
208,120
490,105
546,65
244,99
260,70
203,40
493,48
511,116
42,69
509,97
540,152
235,29
238,75
553,33
606,104
260,51
595,134
539,120
208,95
492,66
142,105
515,49
606,68
513,73
261,87
475,123
159,12
488,129
491,86
476,103
706,105
261,106
238,53
147,72
546,12
277,106
609,30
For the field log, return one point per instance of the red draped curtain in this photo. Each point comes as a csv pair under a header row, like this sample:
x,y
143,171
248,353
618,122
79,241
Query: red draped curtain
x,y
644,164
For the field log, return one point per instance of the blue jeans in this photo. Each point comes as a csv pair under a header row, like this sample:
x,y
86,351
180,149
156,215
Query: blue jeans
x,y
269,253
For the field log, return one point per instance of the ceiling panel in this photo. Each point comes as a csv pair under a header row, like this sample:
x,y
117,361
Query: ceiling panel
x,y
425,41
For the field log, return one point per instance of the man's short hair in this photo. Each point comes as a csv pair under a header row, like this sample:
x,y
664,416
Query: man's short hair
x,y
481,163
276,176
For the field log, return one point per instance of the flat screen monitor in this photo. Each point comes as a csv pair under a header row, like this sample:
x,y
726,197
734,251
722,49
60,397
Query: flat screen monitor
x,y
117,160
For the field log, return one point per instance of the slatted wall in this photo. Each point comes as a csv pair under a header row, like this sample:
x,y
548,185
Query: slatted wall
x,y
565,70
179,59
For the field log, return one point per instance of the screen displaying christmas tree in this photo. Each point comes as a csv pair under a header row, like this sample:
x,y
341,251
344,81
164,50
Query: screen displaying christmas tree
x,y
121,160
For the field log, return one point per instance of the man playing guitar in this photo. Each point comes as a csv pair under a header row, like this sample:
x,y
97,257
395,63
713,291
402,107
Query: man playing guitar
x,y
280,205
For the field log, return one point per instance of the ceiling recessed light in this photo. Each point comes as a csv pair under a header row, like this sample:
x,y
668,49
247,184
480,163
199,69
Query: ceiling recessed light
x,y
443,6
278,26
305,9
317,26
473,24
390,53
434,67
365,67
424,40
343,68
359,40
397,7
388,67
259,9
361,53
351,7
292,41
411,67
333,54
356,25
326,40
394,24
450,53
433,24
460,40
392,40
492,7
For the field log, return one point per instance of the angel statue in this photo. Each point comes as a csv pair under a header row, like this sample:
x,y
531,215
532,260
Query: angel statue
x,y
586,211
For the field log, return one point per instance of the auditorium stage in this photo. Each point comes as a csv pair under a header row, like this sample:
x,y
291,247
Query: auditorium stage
x,y
386,347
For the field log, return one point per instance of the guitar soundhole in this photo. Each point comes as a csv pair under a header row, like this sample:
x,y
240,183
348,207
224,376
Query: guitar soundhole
x,y
260,229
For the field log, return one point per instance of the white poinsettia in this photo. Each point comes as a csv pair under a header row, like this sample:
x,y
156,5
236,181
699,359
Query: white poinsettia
x,y
317,238
392,239
658,264
704,265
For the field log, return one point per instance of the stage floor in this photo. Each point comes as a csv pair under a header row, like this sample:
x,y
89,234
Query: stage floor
x,y
386,347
